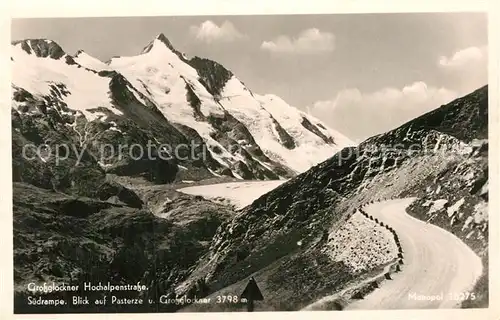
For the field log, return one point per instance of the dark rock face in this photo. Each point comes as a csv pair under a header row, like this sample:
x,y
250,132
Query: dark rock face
x,y
44,170
309,126
21,95
165,41
112,189
194,101
286,139
41,48
70,60
213,75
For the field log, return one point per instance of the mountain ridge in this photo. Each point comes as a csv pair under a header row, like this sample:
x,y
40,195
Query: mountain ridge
x,y
190,94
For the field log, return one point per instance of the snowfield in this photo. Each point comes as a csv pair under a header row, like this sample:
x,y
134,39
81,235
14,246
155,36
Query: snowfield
x,y
436,264
239,194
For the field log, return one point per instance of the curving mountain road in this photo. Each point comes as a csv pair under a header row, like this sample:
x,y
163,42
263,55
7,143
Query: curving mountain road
x,y
439,269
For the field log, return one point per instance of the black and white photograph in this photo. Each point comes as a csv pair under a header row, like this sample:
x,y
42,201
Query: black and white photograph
x,y
250,163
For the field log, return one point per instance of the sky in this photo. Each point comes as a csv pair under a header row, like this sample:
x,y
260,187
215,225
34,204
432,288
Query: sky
x,y
361,74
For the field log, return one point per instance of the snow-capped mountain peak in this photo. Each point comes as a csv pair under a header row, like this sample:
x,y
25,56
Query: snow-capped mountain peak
x,y
161,37
159,42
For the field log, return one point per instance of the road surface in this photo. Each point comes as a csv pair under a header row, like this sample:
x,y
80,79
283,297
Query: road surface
x,y
438,271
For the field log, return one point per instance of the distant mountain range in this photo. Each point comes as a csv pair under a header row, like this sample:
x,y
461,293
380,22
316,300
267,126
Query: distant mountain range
x,y
159,96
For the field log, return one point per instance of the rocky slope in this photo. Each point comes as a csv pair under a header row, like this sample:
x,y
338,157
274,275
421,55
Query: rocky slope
x,y
65,239
431,157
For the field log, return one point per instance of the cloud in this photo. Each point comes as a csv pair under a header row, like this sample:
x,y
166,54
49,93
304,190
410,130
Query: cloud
x,y
465,57
210,32
310,41
360,115
466,69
